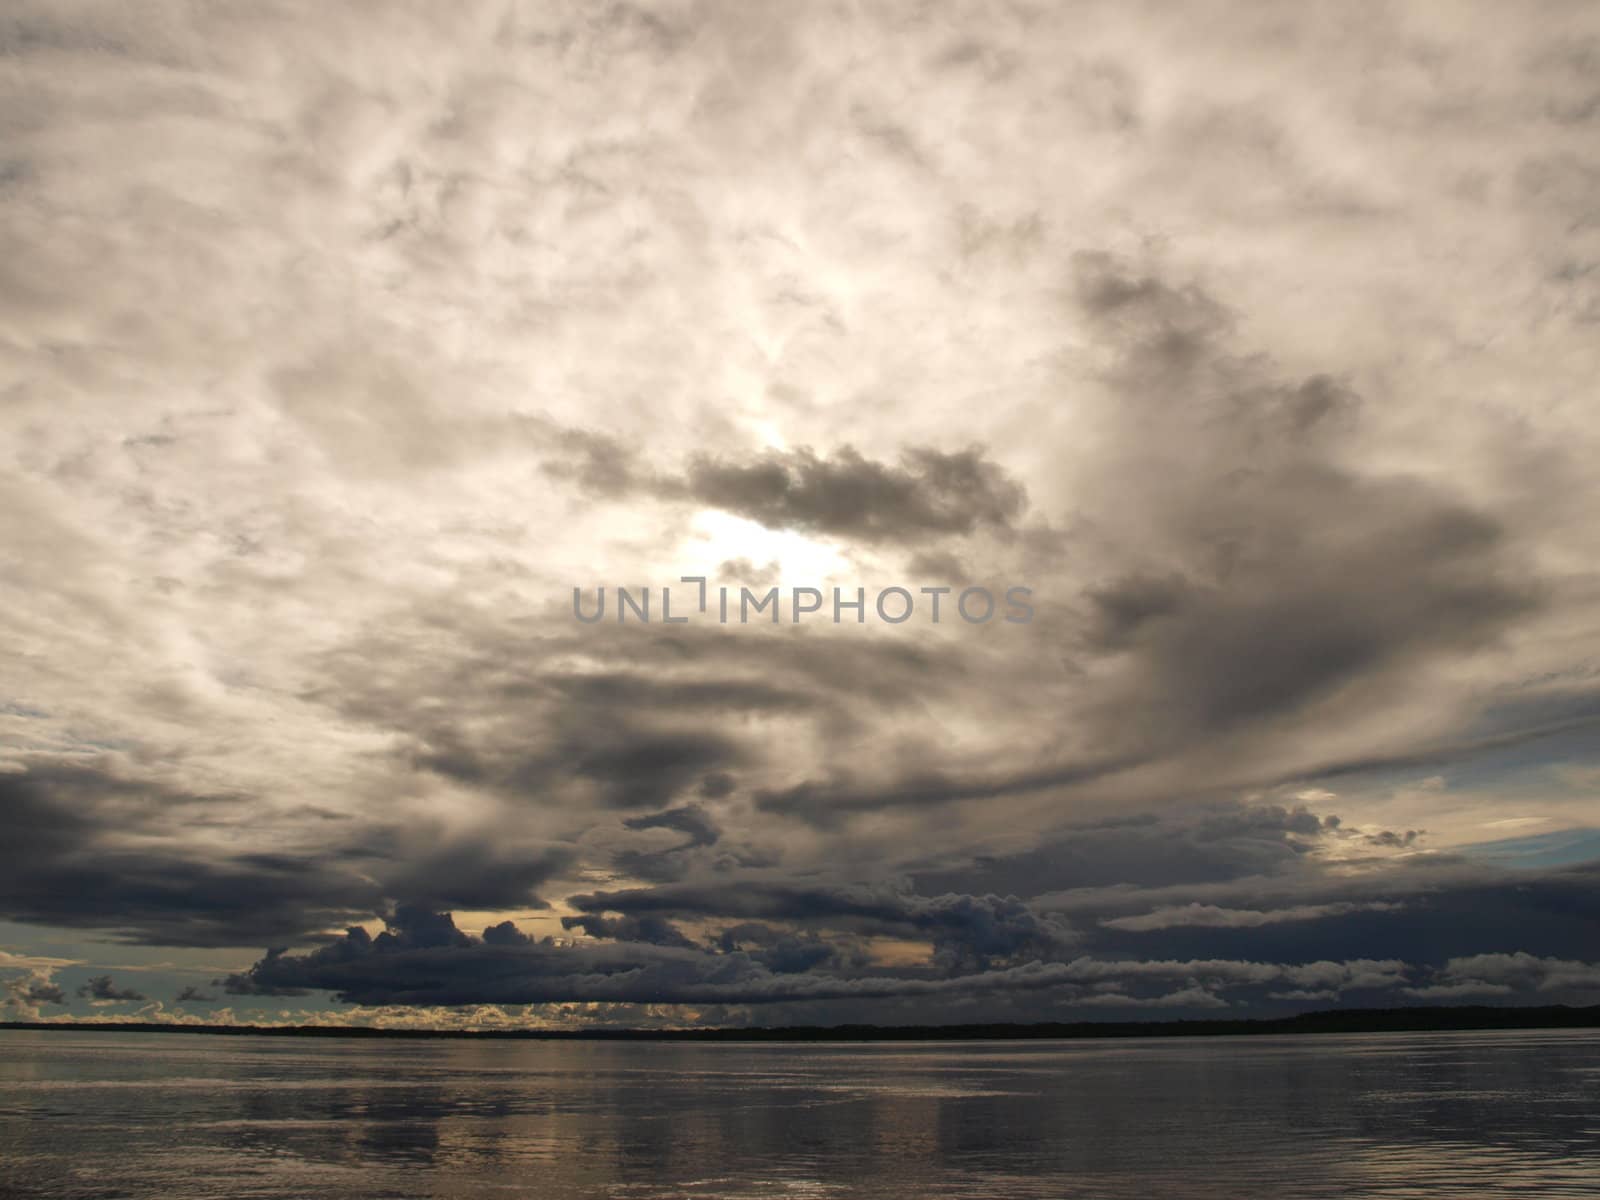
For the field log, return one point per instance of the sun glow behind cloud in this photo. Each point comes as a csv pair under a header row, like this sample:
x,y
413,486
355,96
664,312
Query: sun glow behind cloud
x,y
786,557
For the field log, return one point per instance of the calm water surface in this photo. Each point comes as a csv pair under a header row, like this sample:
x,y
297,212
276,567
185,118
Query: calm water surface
x,y
1437,1115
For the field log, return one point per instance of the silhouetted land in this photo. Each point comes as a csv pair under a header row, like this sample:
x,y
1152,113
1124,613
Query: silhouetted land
x,y
1360,1020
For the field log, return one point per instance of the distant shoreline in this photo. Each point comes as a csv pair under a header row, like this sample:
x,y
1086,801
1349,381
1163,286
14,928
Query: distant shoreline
x,y
1361,1020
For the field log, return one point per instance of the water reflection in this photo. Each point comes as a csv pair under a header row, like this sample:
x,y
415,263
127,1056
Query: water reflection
x,y
1489,1114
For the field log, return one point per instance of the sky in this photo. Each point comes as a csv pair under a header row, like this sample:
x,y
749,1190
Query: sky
x,y
342,345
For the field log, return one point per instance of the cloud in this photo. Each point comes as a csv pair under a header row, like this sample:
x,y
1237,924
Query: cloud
x,y
648,929
101,989
36,986
43,993
423,960
968,929
72,864
1424,911
42,963
1176,844
1234,918
692,820
1300,577
929,494
1511,974
24,996
1250,345
477,872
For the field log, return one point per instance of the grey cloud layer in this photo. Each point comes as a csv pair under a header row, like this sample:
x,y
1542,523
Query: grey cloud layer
x,y
423,960
929,494
339,346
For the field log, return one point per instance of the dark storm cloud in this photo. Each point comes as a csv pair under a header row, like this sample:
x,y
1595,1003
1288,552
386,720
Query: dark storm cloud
x,y
790,952
828,804
193,995
690,819
630,732
653,930
1214,906
668,863
1178,844
1575,738
1260,583
652,866
483,873
967,927
628,765
640,768
1277,634
1296,575
424,960
928,494
657,716
1422,914
101,987
69,861
1230,880
42,993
